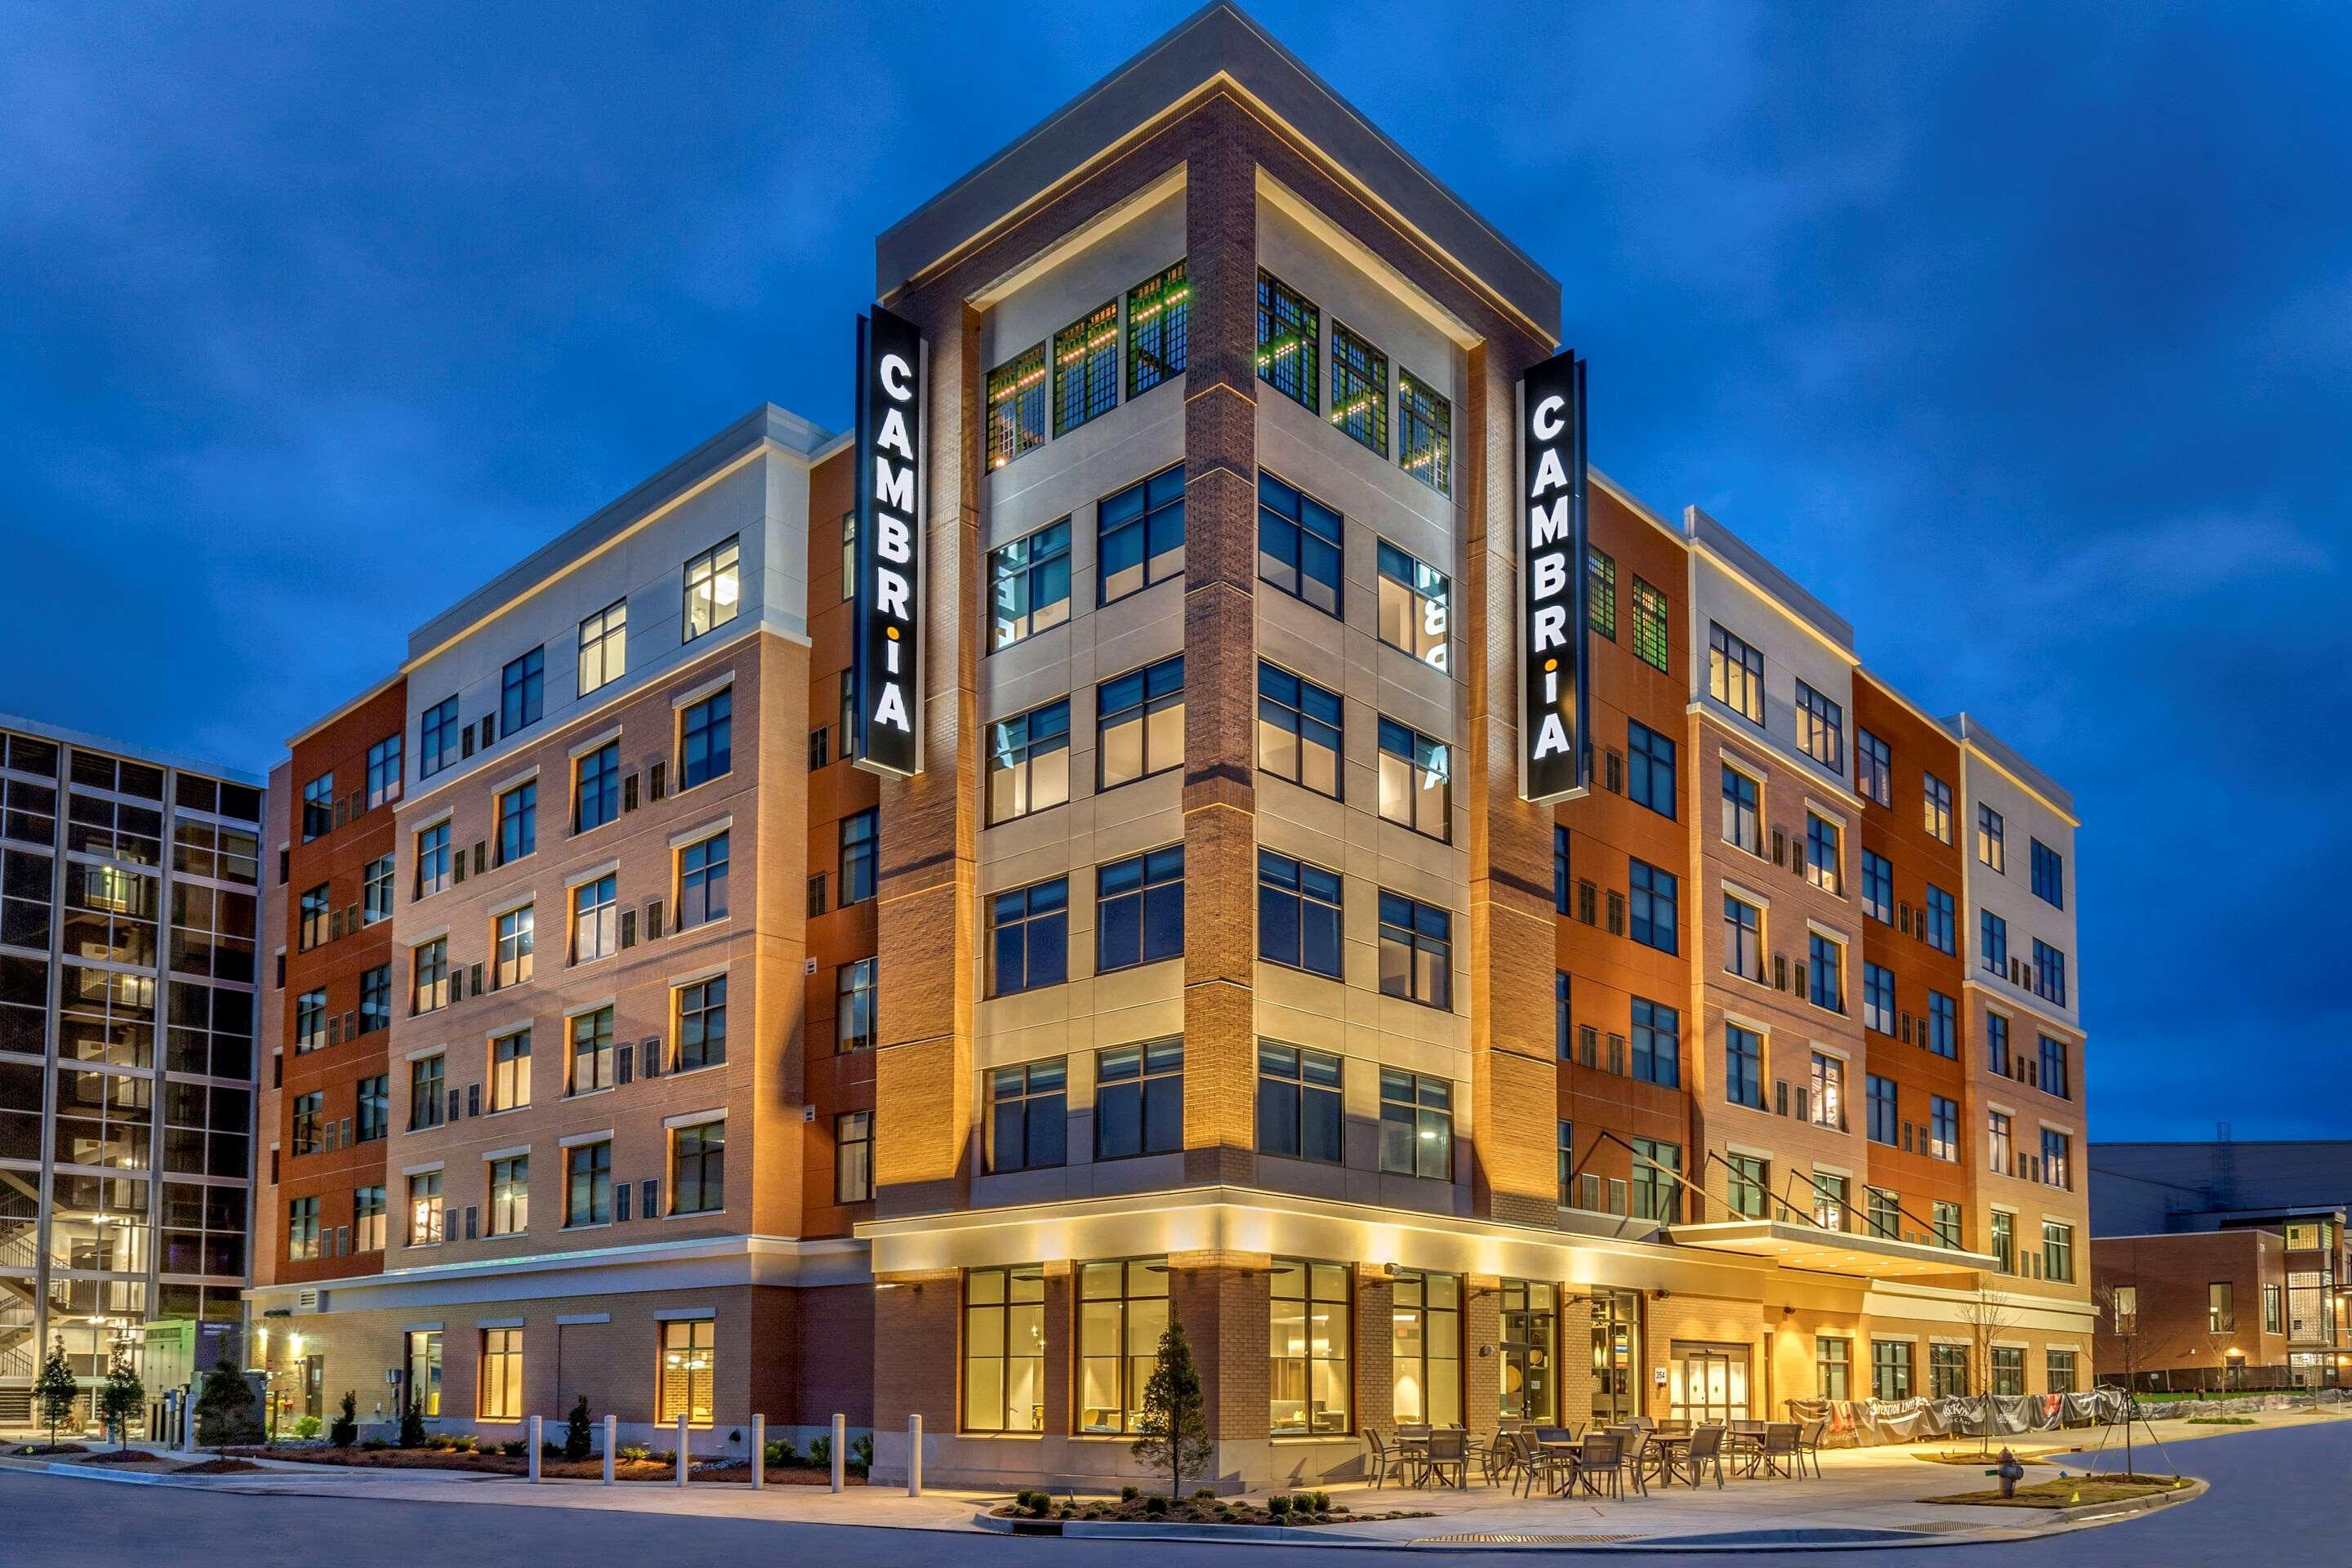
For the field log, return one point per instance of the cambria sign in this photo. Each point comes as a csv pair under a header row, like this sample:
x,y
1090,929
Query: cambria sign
x,y
887,644
1555,756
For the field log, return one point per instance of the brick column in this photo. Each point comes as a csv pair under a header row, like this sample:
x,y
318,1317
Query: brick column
x,y
1375,1349
916,1333
1222,1300
1482,1364
1220,625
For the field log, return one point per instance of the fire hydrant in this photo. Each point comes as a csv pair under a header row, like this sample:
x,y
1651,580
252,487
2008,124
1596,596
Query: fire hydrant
x,y
2010,1472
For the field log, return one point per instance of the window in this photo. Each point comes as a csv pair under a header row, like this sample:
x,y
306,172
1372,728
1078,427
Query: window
x,y
1529,1380
1416,951
2221,1308
2049,875
1826,975
689,1371
1742,827
1140,723
1735,673
1890,1369
1820,728
1298,544
2004,1241
1831,1203
1603,613
1122,1313
424,1212
1005,1349
1139,1099
2049,973
1649,768
1745,1183
697,1168
603,645
512,940
519,822
1029,585
702,881
383,772
1425,1357
1654,905
853,1157
2058,1252
1029,937
430,979
306,1111
1310,1334
1650,626
433,870
1289,335
2008,1370
1016,406
1743,1066
1028,1115
1424,432
1945,1222
1992,847
1299,908
375,998
1878,1010
860,845
1298,1106
314,912
1743,938
1821,861
592,1052
1833,1367
820,750
510,1195
1826,1078
596,919
1943,1128
596,787
1883,1116
1948,1372
852,1005
1997,1043
511,1071
702,1024
374,1096
1159,321
1417,1125
1566,1157
1655,1193
1992,942
1086,367
522,691
1297,731
848,562
2059,1367
1139,909
1414,600
2273,1318
367,1218
1360,389
1943,1026
2000,1142
1560,879
1943,920
588,1188
706,739
319,807
1936,799
2055,1079
2057,1151
1657,1043
1416,780
499,1385
2126,1310
1882,1214
1873,768
437,738
422,1370
1140,535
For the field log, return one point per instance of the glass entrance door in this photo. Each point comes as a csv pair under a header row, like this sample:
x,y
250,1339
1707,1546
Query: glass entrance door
x,y
1707,1384
1616,1356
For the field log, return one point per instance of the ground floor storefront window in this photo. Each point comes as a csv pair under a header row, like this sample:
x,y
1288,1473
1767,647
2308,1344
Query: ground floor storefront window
x,y
1427,1356
1311,1335
1530,1379
423,1369
1005,1349
1122,1313
689,1362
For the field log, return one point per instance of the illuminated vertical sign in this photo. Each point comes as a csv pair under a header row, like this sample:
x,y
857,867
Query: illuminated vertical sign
x,y
887,644
1554,577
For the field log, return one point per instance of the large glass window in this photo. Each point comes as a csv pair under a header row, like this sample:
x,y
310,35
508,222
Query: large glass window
x,y
522,691
1299,544
1417,1125
498,1387
706,739
437,739
1653,903
1657,1043
1359,388
1086,367
1425,1357
1299,1103
702,1024
1820,728
588,1183
596,787
1159,322
852,1005
519,822
1005,1349
1297,731
1140,723
603,645
1311,1336
1140,535
1742,826
1735,673
1139,1099
1873,768
1016,406
510,1195
1414,600
689,1371
697,1168
859,852
511,1071
596,919
1416,951
1948,1372
1298,911
1416,780
1028,1115
702,881
1289,337
592,1052
1649,768
1139,909
1424,432
421,1367
1528,1387
1029,585
1122,1313
1743,1069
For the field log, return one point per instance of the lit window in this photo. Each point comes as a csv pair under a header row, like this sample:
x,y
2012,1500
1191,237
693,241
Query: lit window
x,y
500,1381
1140,723
1992,843
1360,389
1936,802
1016,406
1425,1359
1873,768
1602,611
1159,317
1735,673
425,1211
1417,1125
1140,535
1122,1313
1086,368
689,1363
1820,728
1412,606
1826,1079
1289,336
1005,1349
1424,432
1653,635
1298,544
603,645
1029,763
1297,731
1311,1333
1416,951
1416,783
1029,585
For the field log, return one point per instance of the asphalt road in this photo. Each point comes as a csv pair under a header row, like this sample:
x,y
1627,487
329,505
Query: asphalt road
x,y
2277,1496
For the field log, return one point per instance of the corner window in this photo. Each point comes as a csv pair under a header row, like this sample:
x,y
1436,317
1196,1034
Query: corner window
x,y
1360,389
603,645
1029,763
1416,951
1086,368
1140,723
1414,600
1139,1099
522,691
1029,585
706,733
1289,337
1029,938
1416,780
1028,1115
1299,544
1297,731
1016,406
1139,909
1298,913
1159,322
1140,535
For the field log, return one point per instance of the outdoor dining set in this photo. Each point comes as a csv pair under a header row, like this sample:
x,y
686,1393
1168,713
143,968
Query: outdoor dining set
x,y
1602,1461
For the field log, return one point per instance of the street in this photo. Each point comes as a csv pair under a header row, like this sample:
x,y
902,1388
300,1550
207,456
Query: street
x,y
2271,1488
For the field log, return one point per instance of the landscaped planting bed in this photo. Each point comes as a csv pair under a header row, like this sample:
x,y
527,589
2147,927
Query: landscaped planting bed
x,y
629,1463
1203,1508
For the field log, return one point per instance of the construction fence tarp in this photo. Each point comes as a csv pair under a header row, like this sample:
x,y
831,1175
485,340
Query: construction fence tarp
x,y
1868,1423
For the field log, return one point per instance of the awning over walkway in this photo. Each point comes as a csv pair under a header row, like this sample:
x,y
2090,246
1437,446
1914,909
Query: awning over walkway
x,y
1789,1244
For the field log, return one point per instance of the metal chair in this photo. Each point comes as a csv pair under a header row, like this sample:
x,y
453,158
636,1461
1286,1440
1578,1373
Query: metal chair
x,y
1448,1451
1538,1466
1637,1459
1598,1464
1704,1450
1809,1445
1745,1439
1778,1452
1385,1462
1499,1459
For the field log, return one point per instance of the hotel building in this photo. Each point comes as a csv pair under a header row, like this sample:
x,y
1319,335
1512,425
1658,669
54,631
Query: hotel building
x,y
128,914
1213,965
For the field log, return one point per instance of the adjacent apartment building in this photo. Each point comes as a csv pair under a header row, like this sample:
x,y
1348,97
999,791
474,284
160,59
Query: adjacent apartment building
x,y
1213,966
128,920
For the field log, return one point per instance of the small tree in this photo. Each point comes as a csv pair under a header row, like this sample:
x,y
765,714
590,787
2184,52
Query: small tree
x,y
576,1441
55,1390
346,1429
412,1420
1987,1316
1172,1429
2123,1327
124,1398
224,1408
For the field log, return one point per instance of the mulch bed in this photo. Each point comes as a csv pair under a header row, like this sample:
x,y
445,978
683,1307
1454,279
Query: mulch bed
x,y
2070,1491
125,1456
217,1468
648,1471
1198,1511
38,1450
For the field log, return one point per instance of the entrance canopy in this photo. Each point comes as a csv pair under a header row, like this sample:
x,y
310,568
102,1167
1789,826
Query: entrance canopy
x,y
1789,1244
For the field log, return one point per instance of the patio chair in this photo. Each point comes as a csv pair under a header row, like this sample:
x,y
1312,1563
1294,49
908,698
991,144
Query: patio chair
x,y
1384,1461
1596,1464
1637,1459
1499,1460
1704,1451
1538,1465
1809,1445
1554,1434
1778,1453
1448,1453
1744,1440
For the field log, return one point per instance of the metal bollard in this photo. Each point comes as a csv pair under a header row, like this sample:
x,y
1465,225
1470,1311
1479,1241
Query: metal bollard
x,y
612,1431
840,1447
532,1431
758,1452
915,1455
681,1450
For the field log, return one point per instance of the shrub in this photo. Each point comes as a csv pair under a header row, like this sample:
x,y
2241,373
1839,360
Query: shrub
x,y
547,1450
1207,1494
515,1447
346,1429
1322,1502
412,1424
307,1428
783,1452
632,1452
861,1451
576,1439
1128,1494
1277,1506
1155,1505
378,1445
821,1452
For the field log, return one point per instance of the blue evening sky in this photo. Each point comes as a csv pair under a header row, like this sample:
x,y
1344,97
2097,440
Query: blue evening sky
x,y
2018,334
